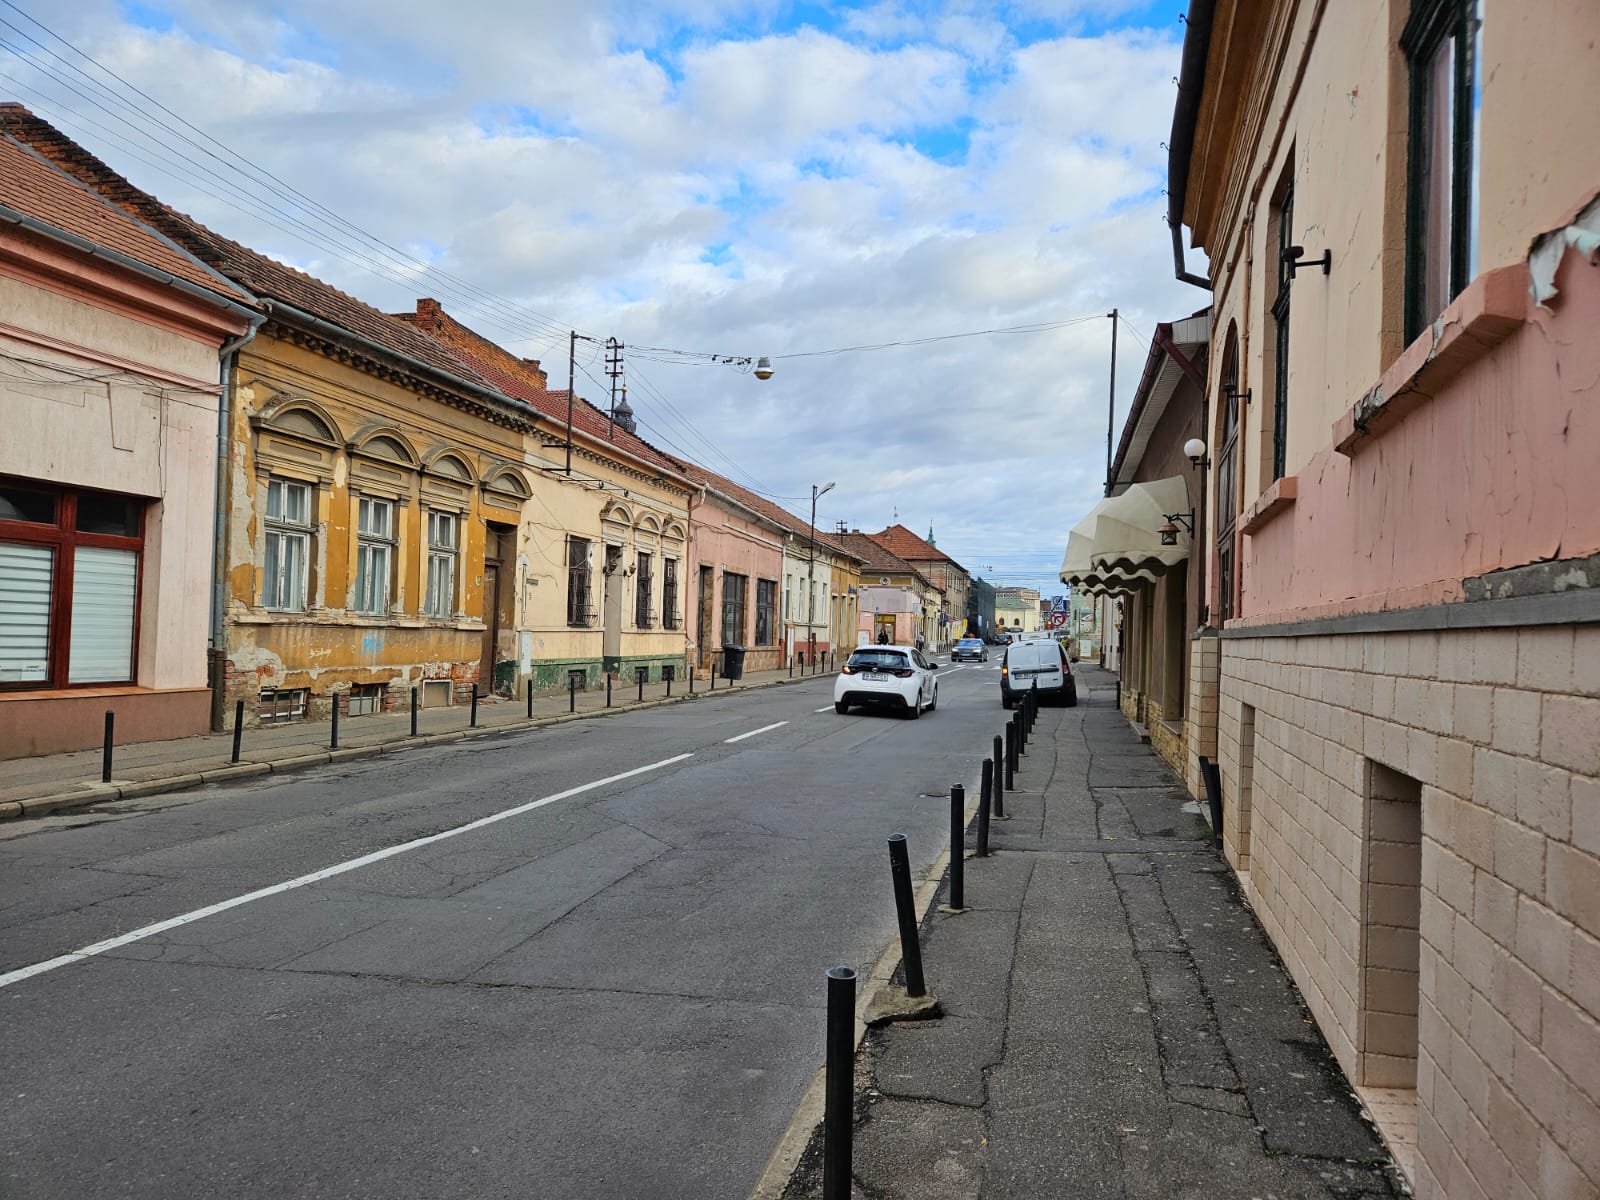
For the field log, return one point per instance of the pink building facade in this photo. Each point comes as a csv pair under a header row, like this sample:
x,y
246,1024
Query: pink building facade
x,y
1398,666
735,570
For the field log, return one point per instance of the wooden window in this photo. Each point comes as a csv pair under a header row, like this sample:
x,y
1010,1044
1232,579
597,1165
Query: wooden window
x,y
1228,477
1283,219
1441,42
285,565
580,610
734,595
444,539
669,593
374,555
766,603
643,592
69,586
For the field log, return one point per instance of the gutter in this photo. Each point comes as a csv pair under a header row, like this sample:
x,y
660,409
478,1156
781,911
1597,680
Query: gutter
x,y
1185,115
193,290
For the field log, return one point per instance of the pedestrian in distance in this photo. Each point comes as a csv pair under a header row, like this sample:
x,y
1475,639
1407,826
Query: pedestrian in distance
x,y
883,637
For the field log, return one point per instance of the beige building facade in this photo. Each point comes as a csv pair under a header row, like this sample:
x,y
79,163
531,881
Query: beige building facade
x,y
1399,206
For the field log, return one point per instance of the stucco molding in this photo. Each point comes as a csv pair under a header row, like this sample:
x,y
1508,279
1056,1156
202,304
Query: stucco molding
x,y
1278,498
1576,607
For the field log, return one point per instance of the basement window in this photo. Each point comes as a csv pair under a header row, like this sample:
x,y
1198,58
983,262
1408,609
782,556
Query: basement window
x,y
279,706
365,699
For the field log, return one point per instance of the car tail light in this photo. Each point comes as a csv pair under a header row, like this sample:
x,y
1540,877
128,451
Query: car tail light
x,y
901,673
848,669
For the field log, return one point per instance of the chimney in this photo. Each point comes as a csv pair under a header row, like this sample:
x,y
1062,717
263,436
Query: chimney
x,y
540,375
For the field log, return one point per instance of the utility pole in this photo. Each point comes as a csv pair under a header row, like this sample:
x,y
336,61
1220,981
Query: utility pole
x,y
811,576
572,386
1111,403
613,370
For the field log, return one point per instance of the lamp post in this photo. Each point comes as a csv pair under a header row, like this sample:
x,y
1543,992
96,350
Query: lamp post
x,y
811,573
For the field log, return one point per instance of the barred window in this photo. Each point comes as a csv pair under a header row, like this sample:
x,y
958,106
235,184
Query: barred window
x,y
580,610
669,593
643,584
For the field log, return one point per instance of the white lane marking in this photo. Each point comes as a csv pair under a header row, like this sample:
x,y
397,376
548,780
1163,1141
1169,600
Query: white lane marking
x,y
741,737
953,670
210,910
824,708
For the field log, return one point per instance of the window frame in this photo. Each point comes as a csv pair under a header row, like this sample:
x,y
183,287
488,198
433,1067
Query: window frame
x,y
1228,474
643,590
738,606
1283,211
63,540
285,530
368,542
766,612
448,554
669,593
580,584
1431,24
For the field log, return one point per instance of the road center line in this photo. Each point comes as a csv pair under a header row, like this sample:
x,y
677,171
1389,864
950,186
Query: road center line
x,y
290,885
741,737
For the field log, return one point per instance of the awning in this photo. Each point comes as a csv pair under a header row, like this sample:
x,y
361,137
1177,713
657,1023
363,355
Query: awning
x,y
1117,546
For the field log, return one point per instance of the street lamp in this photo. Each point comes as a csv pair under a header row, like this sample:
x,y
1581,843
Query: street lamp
x,y
811,574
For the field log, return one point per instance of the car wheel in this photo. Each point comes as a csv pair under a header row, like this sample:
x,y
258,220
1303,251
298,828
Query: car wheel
x,y
1072,696
933,703
915,708
840,707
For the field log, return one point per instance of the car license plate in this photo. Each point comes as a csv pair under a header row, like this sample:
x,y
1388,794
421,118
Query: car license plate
x,y
875,677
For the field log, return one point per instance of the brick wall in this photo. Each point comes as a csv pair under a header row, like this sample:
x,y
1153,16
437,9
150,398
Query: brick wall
x,y
1497,735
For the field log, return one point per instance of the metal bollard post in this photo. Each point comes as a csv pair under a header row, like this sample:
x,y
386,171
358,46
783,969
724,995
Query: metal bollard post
x,y
1011,755
985,799
691,679
473,721
906,913
238,728
713,674
413,712
958,846
791,666
333,737
530,699
669,686
608,689
838,1118
1022,736
999,779
105,750
572,693
641,688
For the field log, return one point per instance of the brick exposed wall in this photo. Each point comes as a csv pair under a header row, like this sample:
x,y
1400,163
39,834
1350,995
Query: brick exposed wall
x,y
1500,732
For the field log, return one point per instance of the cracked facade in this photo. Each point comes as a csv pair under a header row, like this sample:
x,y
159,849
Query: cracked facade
x,y
1403,647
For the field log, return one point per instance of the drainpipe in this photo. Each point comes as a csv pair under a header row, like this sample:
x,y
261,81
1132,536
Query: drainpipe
x,y
217,650
1185,114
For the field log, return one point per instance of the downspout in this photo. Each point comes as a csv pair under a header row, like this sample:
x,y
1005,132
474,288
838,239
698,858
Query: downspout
x,y
217,649
1185,114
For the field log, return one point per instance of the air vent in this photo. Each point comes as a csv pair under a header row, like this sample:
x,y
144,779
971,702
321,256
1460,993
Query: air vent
x,y
883,580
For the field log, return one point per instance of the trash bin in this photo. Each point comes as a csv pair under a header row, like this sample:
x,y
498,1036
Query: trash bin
x,y
732,662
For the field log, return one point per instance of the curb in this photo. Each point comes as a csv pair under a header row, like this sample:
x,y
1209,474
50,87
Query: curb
x,y
89,795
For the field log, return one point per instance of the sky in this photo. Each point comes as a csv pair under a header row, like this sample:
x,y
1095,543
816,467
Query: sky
x,y
701,178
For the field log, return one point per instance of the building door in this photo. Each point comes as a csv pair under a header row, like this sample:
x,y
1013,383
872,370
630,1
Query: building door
x,y
497,546
611,609
702,630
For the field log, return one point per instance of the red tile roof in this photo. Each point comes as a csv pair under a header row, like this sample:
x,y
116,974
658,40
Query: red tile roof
x,y
36,188
778,515
910,547
876,557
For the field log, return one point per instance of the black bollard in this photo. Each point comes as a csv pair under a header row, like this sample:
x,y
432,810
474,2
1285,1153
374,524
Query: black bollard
x,y
838,1118
791,667
530,699
641,687
333,736
238,728
999,779
105,750
958,846
1011,756
608,689
906,912
713,674
691,679
413,712
1021,739
985,800
473,720
572,693
669,685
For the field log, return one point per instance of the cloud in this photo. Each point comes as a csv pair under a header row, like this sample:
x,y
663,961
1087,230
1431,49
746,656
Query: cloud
x,y
721,177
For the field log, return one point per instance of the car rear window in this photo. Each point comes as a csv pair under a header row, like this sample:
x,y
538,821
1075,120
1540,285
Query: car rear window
x,y
867,660
969,642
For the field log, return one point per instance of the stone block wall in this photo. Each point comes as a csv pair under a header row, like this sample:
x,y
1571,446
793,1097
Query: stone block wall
x,y
1416,820
1205,672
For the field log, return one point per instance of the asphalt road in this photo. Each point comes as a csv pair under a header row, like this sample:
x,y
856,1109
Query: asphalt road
x,y
614,991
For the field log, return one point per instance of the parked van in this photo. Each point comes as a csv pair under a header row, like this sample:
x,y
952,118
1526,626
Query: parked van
x,y
1040,662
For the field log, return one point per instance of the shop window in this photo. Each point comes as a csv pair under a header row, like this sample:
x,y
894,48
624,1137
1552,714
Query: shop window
x,y
69,586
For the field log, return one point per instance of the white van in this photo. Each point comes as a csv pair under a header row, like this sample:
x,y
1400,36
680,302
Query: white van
x,y
1040,662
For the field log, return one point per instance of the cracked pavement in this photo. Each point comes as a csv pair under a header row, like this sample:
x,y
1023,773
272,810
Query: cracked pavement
x,y
1116,1024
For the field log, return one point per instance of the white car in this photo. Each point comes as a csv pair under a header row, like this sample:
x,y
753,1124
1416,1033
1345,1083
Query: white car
x,y
897,677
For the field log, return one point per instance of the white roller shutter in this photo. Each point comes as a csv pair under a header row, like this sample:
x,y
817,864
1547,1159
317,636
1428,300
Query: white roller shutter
x,y
25,575
103,587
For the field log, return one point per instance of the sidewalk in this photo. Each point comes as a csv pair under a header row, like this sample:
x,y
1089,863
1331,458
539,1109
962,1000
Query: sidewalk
x,y
56,782
1115,1023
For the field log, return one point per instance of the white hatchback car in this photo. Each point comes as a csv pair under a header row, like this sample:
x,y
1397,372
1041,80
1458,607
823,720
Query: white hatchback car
x,y
896,677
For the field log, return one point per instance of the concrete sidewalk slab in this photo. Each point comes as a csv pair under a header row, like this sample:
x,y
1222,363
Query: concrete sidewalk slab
x,y
1117,1024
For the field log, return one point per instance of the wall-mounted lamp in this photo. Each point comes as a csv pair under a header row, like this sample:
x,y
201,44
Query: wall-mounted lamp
x,y
1196,450
1169,531
1294,257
